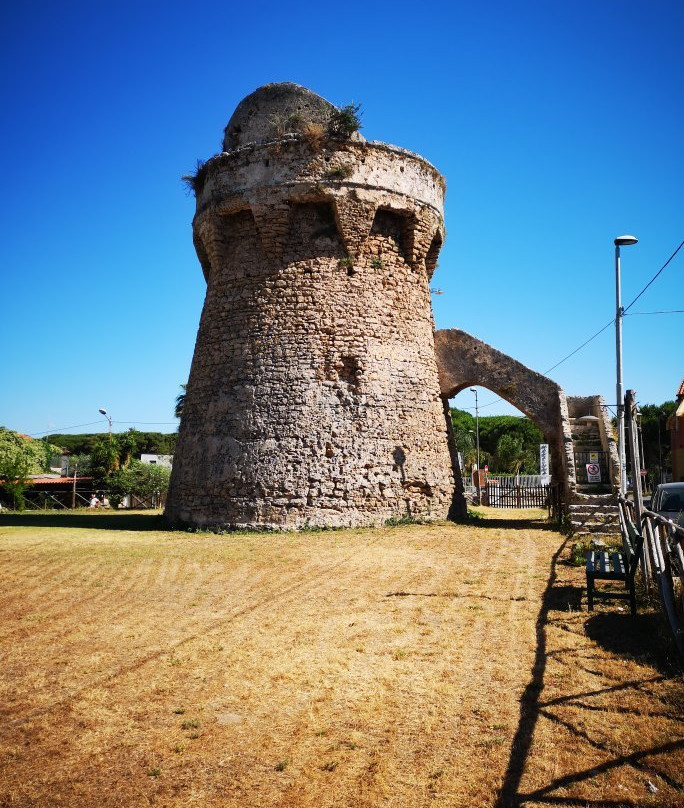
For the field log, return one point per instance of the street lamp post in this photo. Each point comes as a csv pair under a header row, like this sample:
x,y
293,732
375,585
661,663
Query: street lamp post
x,y
108,417
620,241
477,441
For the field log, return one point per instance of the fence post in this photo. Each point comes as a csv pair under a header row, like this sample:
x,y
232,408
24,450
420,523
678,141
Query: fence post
x,y
635,457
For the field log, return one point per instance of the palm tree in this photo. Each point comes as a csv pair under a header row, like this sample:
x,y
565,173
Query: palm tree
x,y
180,402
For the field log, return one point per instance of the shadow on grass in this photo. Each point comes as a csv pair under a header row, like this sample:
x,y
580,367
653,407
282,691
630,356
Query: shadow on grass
x,y
510,524
530,703
644,638
617,633
87,520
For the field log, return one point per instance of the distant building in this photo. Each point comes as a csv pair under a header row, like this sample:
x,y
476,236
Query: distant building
x,y
157,460
675,425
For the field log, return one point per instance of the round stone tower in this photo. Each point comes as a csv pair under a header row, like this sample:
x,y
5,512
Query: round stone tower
x,y
313,397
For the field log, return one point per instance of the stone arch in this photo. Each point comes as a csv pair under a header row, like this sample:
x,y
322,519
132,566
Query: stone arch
x,y
464,361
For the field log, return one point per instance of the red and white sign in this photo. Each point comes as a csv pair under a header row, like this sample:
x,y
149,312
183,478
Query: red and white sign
x,y
593,473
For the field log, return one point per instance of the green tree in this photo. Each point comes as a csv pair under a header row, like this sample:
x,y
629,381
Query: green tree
x,y
128,446
80,464
104,457
492,429
142,480
19,458
14,480
180,402
509,454
656,439
148,442
111,453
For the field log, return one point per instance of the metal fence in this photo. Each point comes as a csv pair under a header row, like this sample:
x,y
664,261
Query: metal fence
x,y
512,480
65,500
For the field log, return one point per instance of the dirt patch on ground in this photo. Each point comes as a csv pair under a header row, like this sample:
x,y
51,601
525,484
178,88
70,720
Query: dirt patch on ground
x,y
408,666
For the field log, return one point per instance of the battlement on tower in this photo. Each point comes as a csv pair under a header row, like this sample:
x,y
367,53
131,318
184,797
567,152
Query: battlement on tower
x,y
356,180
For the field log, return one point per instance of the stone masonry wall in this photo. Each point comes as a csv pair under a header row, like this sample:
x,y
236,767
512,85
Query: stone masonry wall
x,y
313,397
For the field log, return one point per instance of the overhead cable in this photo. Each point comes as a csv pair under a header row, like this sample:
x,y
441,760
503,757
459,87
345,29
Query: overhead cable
x,y
653,278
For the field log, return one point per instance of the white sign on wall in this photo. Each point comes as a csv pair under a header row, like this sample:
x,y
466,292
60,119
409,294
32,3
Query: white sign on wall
x,y
544,469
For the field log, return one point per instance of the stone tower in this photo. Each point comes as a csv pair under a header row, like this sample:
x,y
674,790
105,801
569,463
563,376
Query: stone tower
x,y
313,397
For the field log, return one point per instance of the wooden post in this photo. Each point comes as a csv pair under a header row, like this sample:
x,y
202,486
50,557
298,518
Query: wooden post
x,y
634,453
635,457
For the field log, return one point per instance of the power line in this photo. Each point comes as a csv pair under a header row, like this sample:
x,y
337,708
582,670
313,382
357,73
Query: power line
x,y
623,311
609,323
148,423
653,278
672,311
59,430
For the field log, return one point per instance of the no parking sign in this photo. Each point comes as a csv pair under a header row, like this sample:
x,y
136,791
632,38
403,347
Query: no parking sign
x,y
593,473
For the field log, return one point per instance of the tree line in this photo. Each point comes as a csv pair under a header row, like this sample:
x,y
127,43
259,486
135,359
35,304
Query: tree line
x,y
509,444
162,443
110,460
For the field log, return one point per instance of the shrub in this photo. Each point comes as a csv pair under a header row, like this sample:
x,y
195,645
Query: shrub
x,y
314,134
341,172
195,181
345,121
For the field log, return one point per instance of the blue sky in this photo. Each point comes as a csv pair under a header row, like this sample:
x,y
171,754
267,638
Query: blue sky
x,y
558,126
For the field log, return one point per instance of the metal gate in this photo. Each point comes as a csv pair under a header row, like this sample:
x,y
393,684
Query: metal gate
x,y
516,496
600,458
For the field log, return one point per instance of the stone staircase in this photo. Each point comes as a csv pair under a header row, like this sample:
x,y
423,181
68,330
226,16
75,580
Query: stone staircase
x,y
595,517
585,434
587,445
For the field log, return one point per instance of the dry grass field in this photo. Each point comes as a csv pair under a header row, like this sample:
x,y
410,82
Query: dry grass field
x,y
441,665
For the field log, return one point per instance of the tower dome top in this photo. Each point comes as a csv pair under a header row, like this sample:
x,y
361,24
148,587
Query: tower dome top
x,y
272,109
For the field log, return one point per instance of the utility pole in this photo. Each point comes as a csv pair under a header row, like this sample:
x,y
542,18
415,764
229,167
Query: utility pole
x,y
621,241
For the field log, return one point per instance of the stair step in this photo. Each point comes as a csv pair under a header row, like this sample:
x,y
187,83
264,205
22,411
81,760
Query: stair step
x,y
594,509
612,538
594,499
595,527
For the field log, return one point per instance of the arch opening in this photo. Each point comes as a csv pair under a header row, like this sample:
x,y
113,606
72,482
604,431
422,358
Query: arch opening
x,y
464,362
504,444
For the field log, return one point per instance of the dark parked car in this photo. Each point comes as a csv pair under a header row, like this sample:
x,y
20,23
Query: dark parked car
x,y
668,501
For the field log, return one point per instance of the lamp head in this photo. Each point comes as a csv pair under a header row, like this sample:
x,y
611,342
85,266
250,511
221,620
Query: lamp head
x,y
102,412
625,241
473,390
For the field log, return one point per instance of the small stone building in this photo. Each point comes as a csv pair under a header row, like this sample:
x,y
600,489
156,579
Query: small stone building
x,y
313,397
